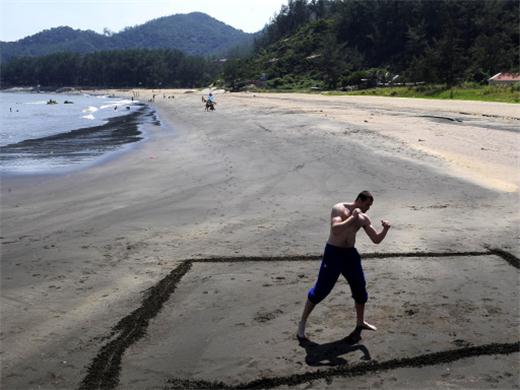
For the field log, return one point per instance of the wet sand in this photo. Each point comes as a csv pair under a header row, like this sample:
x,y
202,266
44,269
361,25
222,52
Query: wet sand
x,y
257,177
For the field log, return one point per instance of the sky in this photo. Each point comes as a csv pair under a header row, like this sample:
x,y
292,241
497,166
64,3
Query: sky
x,y
21,18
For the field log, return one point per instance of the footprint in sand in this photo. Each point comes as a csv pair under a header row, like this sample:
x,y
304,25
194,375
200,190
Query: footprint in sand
x,y
267,316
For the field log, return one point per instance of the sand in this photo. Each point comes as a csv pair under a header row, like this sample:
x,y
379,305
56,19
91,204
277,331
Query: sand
x,y
212,331
257,178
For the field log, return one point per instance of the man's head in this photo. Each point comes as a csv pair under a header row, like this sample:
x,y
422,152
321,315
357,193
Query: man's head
x,y
364,200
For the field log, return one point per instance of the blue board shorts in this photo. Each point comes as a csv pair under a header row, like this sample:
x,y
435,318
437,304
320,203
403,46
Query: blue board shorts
x,y
345,261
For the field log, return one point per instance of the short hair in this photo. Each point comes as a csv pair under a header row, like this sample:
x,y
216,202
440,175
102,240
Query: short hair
x,y
365,195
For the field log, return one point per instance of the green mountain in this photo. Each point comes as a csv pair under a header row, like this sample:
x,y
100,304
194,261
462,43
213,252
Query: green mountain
x,y
333,44
325,44
194,34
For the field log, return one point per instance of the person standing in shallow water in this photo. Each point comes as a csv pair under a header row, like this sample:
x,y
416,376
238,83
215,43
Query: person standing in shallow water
x,y
341,257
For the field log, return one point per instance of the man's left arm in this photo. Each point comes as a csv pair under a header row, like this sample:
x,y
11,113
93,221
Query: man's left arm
x,y
373,234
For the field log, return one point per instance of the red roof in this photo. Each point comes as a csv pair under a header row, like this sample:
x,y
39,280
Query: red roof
x,y
506,77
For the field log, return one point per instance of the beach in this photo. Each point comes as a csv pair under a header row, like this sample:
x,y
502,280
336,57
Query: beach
x,y
208,235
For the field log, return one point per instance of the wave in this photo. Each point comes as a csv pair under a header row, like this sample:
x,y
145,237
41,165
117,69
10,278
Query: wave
x,y
37,102
90,109
107,106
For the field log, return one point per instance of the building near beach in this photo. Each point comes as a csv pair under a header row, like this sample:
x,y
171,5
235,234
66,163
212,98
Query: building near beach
x,y
504,79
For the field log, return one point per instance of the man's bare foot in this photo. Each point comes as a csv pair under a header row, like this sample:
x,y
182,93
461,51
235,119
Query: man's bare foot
x,y
301,331
366,326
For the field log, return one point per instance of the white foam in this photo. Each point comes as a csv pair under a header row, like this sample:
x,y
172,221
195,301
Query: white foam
x,y
90,109
107,106
89,116
124,101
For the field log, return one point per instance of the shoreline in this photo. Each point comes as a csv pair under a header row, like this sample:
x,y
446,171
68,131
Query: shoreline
x,y
255,178
368,92
82,147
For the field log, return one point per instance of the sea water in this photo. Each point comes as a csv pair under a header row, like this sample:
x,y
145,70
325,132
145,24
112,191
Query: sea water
x,y
37,137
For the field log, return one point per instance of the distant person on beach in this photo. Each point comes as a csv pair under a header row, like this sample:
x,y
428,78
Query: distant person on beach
x,y
341,257
210,102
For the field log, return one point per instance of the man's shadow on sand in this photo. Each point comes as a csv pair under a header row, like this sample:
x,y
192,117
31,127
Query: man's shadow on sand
x,y
328,354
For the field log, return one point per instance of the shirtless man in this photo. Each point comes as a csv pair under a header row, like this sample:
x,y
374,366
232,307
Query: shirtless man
x,y
341,256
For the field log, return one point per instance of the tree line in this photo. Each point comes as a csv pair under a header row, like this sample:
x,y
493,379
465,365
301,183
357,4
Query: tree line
x,y
151,68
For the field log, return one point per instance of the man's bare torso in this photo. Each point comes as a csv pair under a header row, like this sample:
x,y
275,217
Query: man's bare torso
x,y
347,237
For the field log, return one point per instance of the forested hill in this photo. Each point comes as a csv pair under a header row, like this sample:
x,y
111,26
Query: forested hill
x,y
326,44
194,34
333,44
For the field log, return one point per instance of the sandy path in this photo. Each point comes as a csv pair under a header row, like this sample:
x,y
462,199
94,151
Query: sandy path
x,y
256,177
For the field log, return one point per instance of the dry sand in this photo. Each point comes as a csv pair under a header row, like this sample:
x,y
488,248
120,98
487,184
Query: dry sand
x,y
257,177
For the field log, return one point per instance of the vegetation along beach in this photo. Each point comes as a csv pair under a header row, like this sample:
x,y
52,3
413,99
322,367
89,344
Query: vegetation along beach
x,y
154,236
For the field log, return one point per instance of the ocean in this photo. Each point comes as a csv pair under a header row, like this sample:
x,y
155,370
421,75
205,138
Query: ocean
x,y
36,137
